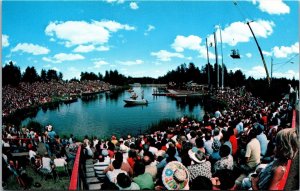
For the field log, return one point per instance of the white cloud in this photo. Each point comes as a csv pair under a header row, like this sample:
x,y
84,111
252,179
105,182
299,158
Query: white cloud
x,y
84,33
114,26
83,48
256,72
249,55
52,40
164,55
98,64
103,48
191,42
289,74
5,42
61,57
131,63
150,28
273,7
266,53
284,51
31,48
238,32
133,5
115,1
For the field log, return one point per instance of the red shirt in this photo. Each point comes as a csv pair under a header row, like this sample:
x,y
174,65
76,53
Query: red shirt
x,y
234,144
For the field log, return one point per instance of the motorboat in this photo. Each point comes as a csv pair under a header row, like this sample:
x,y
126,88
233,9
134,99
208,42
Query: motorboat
x,y
136,101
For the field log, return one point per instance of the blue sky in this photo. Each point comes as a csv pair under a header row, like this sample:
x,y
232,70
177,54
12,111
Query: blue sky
x,y
146,38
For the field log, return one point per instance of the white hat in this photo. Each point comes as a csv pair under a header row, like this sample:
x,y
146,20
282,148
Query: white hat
x,y
196,155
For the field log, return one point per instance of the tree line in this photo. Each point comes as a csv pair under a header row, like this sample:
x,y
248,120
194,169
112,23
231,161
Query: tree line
x,y
184,73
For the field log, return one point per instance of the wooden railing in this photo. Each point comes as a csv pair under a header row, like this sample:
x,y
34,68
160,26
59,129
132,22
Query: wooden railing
x,y
75,177
282,183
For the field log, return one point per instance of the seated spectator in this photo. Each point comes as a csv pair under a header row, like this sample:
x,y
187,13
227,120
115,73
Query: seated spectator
x,y
171,152
32,155
215,156
200,166
252,153
144,180
287,146
47,163
208,143
223,180
262,138
59,162
226,161
124,183
100,166
112,175
200,144
201,183
151,169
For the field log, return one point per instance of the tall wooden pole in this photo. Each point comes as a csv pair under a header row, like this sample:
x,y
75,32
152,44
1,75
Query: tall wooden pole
x,y
208,66
216,52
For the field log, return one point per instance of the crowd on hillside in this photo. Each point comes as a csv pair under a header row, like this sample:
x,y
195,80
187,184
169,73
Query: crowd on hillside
x,y
33,94
246,146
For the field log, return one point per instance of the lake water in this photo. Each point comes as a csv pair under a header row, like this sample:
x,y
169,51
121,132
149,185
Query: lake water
x,y
106,115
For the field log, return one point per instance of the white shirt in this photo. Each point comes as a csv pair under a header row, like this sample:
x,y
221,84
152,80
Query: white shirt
x,y
46,163
60,162
112,175
32,154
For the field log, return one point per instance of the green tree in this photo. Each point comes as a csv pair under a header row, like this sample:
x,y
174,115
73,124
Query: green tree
x,y
11,74
30,75
52,75
43,75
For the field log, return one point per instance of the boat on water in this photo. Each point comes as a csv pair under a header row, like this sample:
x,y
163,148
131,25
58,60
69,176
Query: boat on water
x,y
134,101
68,100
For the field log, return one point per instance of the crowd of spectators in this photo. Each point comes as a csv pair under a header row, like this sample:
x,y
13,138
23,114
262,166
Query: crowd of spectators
x,y
45,153
37,93
244,146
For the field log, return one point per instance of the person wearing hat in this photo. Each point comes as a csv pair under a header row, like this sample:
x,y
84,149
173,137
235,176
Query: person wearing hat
x,y
114,139
200,166
175,176
124,183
